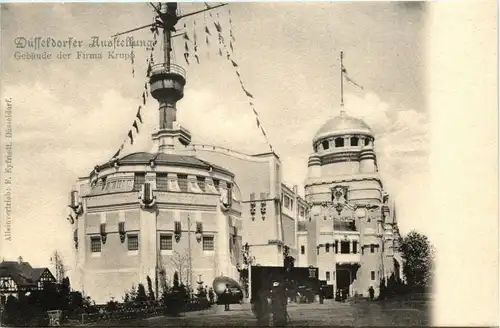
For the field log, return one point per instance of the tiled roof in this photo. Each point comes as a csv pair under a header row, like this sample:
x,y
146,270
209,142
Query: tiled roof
x,y
22,273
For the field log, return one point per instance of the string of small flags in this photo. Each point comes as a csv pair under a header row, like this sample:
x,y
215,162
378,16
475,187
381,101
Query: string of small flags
x,y
222,47
145,95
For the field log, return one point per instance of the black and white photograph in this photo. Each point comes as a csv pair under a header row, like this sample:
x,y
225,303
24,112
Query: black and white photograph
x,y
245,164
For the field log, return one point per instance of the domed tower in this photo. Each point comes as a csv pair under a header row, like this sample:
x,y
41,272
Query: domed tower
x,y
142,217
349,222
350,230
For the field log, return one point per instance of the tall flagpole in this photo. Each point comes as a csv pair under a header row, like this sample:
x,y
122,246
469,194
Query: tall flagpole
x,y
341,83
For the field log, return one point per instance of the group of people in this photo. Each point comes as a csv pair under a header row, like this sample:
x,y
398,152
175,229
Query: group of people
x,y
269,306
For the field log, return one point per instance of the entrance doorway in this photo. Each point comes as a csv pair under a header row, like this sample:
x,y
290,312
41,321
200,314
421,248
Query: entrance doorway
x,y
344,280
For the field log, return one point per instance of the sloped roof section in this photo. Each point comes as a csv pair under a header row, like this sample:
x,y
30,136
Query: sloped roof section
x,y
144,158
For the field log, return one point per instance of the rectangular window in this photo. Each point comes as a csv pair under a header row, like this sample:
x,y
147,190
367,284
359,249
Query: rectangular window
x,y
161,181
182,180
291,204
139,180
336,246
328,275
208,243
327,248
302,249
133,242
372,248
95,244
344,247
287,202
373,275
201,183
166,242
355,247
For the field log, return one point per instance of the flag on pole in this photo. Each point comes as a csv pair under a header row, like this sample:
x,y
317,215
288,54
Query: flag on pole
x,y
348,79
135,126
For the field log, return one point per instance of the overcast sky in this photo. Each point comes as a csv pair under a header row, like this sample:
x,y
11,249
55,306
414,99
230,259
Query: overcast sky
x,y
69,115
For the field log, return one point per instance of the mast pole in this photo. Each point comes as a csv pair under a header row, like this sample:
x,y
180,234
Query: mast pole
x,y
341,83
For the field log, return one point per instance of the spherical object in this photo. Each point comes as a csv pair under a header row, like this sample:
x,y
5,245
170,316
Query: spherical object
x,y
343,124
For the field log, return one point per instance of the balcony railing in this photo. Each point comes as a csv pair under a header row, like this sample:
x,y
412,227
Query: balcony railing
x,y
164,69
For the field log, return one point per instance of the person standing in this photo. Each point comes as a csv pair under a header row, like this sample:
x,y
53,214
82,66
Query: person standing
x,y
371,291
211,295
227,298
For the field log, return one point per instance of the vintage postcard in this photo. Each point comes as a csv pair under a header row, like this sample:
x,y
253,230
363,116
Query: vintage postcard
x,y
247,164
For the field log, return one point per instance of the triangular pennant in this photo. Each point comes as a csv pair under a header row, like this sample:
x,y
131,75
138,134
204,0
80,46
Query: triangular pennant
x,y
255,112
186,47
139,117
117,153
131,137
206,40
235,65
247,93
218,27
231,46
186,37
186,56
258,123
207,31
135,126
197,59
144,98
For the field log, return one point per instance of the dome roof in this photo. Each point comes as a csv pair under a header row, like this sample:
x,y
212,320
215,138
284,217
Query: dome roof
x,y
343,124
143,158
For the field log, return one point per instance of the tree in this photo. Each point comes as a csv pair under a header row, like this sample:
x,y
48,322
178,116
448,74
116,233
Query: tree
x,y
180,263
418,257
176,279
151,294
57,260
141,293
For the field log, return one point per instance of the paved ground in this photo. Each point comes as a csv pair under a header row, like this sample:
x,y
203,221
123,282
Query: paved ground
x,y
360,313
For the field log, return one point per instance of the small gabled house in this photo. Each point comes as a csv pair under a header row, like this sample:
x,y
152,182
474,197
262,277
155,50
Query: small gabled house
x,y
18,278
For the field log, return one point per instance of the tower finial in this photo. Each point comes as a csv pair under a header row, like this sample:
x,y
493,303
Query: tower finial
x,y
342,70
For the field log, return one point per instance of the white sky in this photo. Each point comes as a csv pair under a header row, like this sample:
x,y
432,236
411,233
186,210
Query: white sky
x,y
69,115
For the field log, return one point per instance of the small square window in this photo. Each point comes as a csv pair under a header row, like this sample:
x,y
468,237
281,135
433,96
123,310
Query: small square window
x,y
208,243
133,242
302,249
339,142
354,141
166,242
95,244
372,248
327,248
325,145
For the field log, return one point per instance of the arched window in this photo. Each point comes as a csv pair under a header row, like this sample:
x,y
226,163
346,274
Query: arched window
x,y
339,142
354,141
367,141
325,144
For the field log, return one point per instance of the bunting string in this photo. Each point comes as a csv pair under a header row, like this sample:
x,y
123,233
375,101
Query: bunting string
x,y
145,96
222,47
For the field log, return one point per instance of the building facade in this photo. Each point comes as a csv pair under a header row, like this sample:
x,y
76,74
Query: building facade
x,y
17,278
351,230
